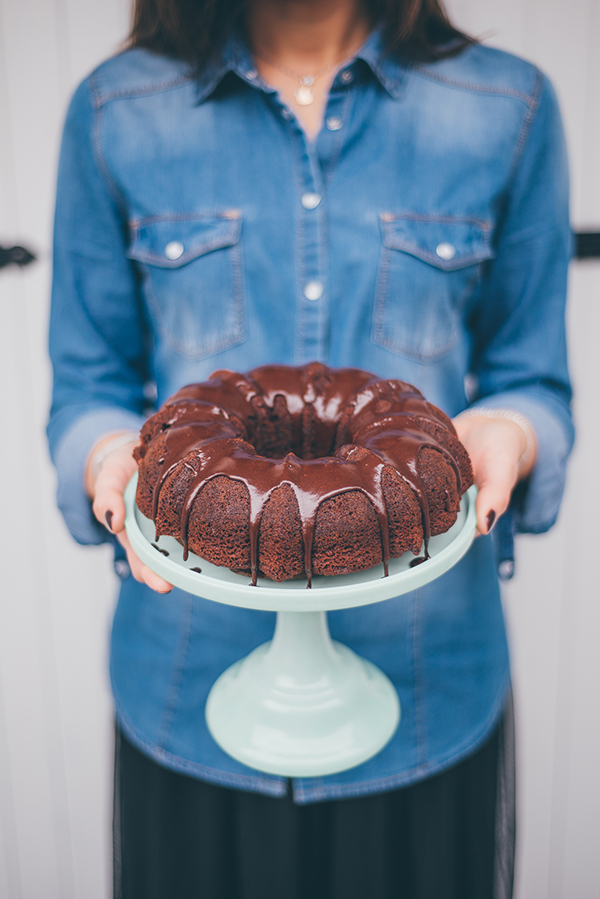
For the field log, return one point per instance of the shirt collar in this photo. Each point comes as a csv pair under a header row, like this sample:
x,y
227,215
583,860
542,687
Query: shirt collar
x,y
388,69
234,58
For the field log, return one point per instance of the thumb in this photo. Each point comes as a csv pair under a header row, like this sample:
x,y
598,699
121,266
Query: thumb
x,y
109,504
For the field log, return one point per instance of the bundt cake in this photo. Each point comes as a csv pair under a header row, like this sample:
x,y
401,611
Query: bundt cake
x,y
287,470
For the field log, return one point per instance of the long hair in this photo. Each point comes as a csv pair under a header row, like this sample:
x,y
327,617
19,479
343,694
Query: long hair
x,y
196,30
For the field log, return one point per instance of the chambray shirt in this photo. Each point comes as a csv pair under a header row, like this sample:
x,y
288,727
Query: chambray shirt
x,y
422,235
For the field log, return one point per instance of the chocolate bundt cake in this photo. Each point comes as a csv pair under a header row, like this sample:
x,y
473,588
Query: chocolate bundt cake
x,y
286,470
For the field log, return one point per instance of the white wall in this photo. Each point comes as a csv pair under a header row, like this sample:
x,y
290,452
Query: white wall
x,y
552,606
56,598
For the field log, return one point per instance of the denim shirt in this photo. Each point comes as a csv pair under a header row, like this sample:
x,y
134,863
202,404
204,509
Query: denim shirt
x,y
422,235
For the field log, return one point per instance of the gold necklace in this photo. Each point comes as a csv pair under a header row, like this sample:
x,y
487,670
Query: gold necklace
x,y
304,95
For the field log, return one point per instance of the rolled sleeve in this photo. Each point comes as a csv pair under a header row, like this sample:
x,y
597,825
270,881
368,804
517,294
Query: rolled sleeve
x,y
98,334
519,358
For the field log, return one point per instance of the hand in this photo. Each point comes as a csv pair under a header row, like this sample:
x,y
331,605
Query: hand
x,y
106,488
496,447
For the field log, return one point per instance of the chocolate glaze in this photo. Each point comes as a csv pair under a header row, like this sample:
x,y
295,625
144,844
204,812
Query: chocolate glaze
x,y
357,425
163,551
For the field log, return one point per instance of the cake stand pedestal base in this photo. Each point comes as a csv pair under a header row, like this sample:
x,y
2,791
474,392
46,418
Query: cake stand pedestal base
x,y
302,705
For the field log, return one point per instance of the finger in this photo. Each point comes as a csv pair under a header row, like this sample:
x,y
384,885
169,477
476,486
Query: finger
x,y
140,571
109,509
495,482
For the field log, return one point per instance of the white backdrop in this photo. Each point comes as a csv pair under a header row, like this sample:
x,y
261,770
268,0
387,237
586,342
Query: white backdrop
x,y
56,598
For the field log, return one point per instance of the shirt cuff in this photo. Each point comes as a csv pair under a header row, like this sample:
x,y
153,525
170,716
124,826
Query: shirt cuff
x,y
70,460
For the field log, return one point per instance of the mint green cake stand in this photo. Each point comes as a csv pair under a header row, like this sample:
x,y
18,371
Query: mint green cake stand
x,y
301,705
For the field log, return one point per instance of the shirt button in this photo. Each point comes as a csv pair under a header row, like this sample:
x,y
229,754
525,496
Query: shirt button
x,y
174,249
252,74
313,290
334,123
346,77
310,201
445,251
122,569
286,113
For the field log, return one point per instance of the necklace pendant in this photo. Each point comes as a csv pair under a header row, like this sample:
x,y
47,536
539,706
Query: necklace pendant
x,y
304,96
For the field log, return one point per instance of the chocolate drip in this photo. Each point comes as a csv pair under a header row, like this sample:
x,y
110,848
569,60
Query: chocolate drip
x,y
210,423
180,440
163,551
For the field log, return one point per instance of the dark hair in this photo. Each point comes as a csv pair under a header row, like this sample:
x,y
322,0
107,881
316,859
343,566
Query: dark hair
x,y
196,30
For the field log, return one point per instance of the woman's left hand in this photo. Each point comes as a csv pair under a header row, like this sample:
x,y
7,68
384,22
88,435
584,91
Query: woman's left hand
x,y
496,447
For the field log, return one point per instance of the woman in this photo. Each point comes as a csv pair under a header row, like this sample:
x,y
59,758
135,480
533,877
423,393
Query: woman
x,y
281,181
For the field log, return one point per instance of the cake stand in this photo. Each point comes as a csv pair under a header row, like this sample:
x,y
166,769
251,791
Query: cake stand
x,y
301,705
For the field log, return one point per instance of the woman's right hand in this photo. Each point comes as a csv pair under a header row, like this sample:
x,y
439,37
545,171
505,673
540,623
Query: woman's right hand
x,y
106,487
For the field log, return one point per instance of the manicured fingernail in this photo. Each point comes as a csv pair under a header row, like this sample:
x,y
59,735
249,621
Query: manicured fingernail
x,y
490,519
108,518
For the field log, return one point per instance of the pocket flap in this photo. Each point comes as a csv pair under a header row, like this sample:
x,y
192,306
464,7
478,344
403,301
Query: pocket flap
x,y
171,241
448,243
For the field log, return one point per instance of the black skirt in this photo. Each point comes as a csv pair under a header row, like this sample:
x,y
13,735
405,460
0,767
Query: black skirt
x,y
450,836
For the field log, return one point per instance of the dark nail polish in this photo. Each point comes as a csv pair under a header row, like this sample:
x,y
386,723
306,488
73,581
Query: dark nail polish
x,y
490,519
108,518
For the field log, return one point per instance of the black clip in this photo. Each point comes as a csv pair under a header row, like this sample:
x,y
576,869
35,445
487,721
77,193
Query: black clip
x,y
15,255
587,244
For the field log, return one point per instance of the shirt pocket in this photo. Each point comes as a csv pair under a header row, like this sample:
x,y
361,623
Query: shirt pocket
x,y
193,279
429,269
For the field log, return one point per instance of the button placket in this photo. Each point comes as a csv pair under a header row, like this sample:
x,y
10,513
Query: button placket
x,y
330,140
312,161
313,305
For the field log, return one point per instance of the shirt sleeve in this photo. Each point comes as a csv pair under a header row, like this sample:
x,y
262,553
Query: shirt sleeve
x,y
98,333
519,357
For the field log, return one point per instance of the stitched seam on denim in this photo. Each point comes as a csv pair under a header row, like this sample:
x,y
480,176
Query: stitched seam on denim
x,y
243,781
431,259
411,775
177,675
238,284
391,85
525,128
153,259
421,217
98,151
224,342
377,336
472,86
233,215
419,689
133,92
227,240
387,218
